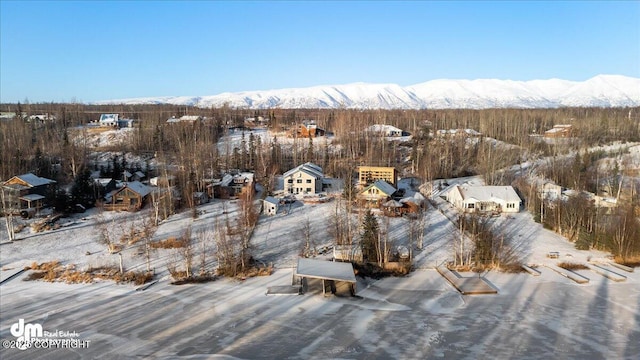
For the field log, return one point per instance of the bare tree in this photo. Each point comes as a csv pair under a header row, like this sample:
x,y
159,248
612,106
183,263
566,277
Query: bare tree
x,y
7,212
146,234
104,234
416,229
305,232
187,252
204,236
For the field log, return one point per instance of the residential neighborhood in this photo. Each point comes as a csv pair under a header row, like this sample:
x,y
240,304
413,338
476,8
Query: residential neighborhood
x,y
350,221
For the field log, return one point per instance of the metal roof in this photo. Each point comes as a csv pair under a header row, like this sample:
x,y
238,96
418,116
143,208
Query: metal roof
x,y
489,193
34,180
139,188
32,197
309,168
383,186
321,269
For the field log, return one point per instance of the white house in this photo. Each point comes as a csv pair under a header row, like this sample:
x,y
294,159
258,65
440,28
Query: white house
x,y
185,119
270,205
384,130
551,191
304,179
484,198
114,120
109,120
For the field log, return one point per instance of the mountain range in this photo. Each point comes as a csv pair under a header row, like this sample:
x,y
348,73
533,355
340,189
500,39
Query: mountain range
x,y
599,91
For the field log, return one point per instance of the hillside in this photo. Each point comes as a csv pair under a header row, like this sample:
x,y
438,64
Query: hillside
x,y
599,91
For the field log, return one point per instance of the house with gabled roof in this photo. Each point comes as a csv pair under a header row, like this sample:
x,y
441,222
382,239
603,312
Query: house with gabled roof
x,y
114,120
377,193
307,129
26,191
130,197
304,179
232,185
108,120
484,198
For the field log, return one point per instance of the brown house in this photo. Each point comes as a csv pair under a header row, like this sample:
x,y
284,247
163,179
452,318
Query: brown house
x,y
130,197
306,130
25,191
231,186
559,131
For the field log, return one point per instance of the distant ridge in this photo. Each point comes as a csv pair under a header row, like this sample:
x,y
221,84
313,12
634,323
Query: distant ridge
x,y
599,91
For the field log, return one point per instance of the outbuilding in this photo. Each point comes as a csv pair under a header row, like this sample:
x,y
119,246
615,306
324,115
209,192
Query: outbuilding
x,y
334,276
270,205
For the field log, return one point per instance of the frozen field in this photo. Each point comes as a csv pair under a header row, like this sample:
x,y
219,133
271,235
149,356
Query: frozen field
x,y
416,317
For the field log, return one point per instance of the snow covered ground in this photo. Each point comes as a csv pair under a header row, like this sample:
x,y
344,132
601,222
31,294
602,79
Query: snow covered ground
x,y
233,139
417,316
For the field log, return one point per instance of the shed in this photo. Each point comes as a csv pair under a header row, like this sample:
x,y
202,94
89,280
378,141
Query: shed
x,y
329,272
392,208
270,205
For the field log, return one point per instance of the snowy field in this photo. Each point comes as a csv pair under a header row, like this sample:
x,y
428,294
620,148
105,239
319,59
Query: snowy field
x,y
415,317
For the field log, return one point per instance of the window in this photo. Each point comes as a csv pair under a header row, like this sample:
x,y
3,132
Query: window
x,y
299,181
511,206
308,181
308,189
470,206
289,181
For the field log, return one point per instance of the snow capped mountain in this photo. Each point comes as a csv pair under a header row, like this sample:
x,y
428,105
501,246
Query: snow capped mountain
x,y
599,91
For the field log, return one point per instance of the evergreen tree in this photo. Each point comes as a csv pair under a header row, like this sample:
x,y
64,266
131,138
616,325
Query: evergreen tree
x,y
309,157
243,153
369,237
82,189
252,152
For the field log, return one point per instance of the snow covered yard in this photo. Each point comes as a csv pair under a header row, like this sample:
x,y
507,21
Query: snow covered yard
x,y
417,316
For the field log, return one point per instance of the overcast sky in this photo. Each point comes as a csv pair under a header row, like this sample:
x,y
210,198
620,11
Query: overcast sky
x,y
88,51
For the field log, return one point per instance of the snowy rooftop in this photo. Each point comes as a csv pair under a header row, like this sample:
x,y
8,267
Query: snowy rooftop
x,y
32,197
383,128
272,200
139,188
383,186
309,168
488,193
108,118
322,269
34,180
470,132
